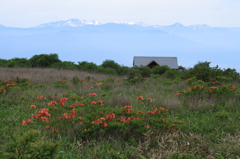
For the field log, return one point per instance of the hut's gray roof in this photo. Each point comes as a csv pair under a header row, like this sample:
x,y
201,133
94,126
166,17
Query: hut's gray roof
x,y
145,60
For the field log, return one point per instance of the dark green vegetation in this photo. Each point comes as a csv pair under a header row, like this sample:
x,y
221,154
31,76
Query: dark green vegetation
x,y
148,113
201,71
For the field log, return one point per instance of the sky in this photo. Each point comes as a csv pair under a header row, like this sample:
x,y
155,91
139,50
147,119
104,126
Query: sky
x,y
29,13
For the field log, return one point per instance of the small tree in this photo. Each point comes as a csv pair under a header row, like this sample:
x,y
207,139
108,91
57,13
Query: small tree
x,y
18,62
110,64
44,60
87,66
3,62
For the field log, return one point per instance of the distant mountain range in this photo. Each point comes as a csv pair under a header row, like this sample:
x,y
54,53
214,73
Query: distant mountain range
x,y
92,41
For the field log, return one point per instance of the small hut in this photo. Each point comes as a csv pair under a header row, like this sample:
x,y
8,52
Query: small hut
x,y
156,61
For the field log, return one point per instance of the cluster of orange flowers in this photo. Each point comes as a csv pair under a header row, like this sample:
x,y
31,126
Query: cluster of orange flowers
x,y
24,122
110,116
156,110
43,115
72,115
100,121
76,104
142,98
52,103
40,97
127,109
179,94
196,87
211,89
62,101
233,88
9,84
100,102
93,94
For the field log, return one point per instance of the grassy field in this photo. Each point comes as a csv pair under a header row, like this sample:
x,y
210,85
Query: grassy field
x,y
50,113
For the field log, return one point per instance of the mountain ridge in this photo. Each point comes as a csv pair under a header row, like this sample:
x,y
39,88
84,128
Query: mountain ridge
x,y
94,41
74,22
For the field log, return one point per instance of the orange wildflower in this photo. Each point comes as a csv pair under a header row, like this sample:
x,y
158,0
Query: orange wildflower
x,y
43,118
40,97
10,85
140,98
45,112
105,124
147,126
213,87
33,106
63,99
161,108
100,101
110,116
178,94
52,103
62,103
93,102
24,122
92,94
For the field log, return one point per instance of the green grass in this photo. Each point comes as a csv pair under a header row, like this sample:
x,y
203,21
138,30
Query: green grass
x,y
210,125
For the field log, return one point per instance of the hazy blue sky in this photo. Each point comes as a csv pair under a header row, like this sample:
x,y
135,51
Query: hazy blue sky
x,y
27,13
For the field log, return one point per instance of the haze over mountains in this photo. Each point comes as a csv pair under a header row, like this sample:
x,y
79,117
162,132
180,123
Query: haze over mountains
x,y
76,40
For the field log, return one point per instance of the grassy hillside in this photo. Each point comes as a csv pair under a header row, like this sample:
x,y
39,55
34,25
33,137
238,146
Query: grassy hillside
x,y
51,113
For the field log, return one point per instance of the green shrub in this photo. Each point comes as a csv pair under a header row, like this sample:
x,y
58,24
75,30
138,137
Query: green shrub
x,y
44,60
134,78
19,62
3,62
87,66
160,69
110,64
172,74
30,145
145,71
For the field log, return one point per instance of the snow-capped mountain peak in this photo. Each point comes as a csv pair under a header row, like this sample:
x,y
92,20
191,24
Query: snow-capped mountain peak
x,y
70,22
195,27
77,23
132,23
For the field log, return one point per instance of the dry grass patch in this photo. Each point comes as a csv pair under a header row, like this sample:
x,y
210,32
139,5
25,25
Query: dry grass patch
x,y
41,75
